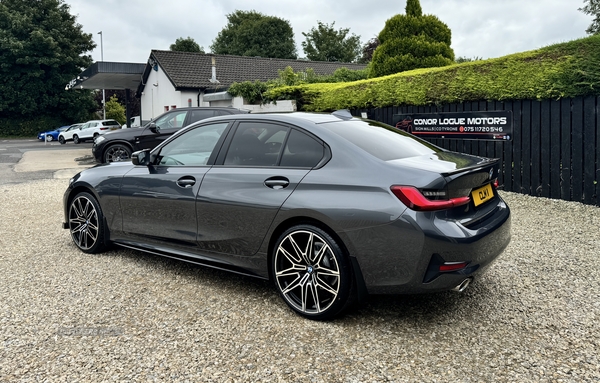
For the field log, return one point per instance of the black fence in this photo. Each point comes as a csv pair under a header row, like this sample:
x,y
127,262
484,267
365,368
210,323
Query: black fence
x,y
554,153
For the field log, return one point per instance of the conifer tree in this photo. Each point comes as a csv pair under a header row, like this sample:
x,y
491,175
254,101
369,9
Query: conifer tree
x,y
412,41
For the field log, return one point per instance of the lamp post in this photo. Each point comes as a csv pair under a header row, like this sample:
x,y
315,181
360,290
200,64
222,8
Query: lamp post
x,y
103,94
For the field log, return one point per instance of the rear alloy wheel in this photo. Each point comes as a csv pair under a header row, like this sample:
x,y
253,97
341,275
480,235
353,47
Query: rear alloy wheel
x,y
86,223
116,153
76,139
61,139
312,272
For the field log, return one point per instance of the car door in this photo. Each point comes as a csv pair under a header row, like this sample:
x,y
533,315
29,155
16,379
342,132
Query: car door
x,y
166,125
243,192
87,130
158,201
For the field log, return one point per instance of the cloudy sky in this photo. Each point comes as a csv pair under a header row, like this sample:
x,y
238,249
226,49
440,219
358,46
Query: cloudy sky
x,y
480,28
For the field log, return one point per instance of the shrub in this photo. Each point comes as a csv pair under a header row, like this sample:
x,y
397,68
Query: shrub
x,y
562,70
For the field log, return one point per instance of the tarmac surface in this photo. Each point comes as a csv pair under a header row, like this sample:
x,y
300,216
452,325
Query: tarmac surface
x,y
27,160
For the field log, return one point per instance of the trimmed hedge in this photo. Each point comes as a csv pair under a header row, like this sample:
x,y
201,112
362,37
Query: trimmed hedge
x,y
563,70
28,127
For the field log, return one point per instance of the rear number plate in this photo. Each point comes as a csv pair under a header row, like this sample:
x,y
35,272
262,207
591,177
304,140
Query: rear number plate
x,y
482,194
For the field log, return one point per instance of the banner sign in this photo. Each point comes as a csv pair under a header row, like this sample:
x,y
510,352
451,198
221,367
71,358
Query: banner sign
x,y
490,125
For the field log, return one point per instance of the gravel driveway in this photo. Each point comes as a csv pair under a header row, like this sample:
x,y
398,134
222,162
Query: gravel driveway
x,y
126,316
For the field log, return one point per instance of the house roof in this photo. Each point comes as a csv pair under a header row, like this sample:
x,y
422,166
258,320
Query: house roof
x,y
188,70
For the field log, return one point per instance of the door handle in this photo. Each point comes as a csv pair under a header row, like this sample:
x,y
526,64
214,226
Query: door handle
x,y
277,182
186,182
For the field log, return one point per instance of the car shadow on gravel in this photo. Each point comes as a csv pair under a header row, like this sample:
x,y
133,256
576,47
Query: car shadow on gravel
x,y
412,309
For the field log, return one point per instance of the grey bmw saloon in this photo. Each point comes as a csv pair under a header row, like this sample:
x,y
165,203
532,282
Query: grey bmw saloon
x,y
327,206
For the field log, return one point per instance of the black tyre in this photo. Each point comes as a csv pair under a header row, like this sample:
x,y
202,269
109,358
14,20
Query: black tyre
x,y
76,139
61,139
86,223
116,153
312,273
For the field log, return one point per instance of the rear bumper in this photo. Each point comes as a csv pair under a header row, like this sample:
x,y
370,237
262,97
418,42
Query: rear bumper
x,y
416,243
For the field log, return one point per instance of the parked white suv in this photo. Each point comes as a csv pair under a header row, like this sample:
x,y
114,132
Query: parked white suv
x,y
94,128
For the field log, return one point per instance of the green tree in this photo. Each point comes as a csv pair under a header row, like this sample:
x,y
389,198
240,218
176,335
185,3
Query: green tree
x,y
463,59
412,41
114,110
413,8
324,43
186,45
42,49
249,33
592,8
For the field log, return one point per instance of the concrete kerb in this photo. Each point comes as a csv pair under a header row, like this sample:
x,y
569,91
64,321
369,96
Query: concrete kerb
x,y
63,163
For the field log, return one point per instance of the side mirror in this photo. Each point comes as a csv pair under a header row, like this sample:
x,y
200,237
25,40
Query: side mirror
x,y
153,127
141,157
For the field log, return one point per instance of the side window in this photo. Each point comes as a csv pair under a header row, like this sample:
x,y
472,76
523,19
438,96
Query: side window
x,y
172,120
301,150
256,144
192,148
197,115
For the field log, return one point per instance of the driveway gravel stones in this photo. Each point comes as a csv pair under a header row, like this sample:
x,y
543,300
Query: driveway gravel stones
x,y
126,316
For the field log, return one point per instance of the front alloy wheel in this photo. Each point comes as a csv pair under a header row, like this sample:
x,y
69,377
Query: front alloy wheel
x,y
49,137
312,272
61,139
116,153
85,223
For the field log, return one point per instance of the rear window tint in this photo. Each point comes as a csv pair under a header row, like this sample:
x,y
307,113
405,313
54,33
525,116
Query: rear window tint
x,y
380,140
302,150
110,123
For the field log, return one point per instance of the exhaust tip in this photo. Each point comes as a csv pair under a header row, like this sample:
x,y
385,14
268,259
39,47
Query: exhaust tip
x,y
463,285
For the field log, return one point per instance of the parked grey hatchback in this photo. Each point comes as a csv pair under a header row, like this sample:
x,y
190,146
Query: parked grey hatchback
x,y
328,207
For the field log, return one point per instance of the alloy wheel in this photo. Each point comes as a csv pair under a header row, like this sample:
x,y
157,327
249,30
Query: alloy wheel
x,y
307,272
84,223
117,153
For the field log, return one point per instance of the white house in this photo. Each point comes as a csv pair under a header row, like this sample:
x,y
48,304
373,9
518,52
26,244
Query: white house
x,y
179,79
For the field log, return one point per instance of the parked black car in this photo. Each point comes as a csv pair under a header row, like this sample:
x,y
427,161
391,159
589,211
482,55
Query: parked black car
x,y
118,146
328,207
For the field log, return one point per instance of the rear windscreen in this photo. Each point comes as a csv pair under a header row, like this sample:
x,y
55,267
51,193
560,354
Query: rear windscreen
x,y
380,140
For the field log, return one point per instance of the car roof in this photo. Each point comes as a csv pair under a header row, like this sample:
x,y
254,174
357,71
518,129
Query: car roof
x,y
299,118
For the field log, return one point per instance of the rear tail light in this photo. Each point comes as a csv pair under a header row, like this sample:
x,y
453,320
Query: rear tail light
x,y
415,200
103,128
495,183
